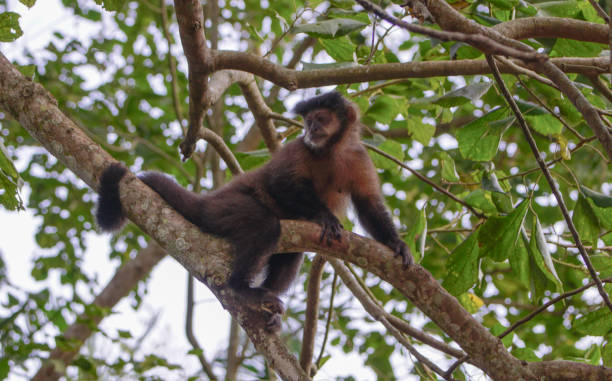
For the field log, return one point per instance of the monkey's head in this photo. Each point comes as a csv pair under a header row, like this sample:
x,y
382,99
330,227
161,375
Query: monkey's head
x,y
327,118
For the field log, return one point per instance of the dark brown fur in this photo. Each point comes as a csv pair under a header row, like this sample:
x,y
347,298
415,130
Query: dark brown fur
x,y
312,178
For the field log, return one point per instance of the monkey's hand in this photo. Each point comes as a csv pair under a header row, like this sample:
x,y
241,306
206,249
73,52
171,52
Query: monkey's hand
x,y
331,227
400,248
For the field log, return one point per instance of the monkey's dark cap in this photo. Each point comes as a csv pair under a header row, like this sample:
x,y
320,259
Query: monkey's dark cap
x,y
332,100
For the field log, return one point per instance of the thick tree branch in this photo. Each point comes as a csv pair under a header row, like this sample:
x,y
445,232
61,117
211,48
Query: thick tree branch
x,y
190,17
569,371
553,27
261,112
295,79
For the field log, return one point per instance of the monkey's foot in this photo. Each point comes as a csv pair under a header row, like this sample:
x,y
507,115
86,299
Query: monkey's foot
x,y
273,324
272,305
263,300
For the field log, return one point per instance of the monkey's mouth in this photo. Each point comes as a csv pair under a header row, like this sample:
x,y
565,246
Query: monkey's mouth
x,y
315,136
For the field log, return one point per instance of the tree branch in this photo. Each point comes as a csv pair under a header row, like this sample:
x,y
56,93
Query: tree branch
x,y
480,42
311,314
534,148
124,280
206,367
450,19
295,79
379,314
190,17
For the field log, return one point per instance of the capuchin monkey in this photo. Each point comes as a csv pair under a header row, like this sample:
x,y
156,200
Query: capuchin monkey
x,y
311,178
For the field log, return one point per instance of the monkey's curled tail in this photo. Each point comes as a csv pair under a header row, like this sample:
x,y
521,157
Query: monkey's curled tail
x,y
110,214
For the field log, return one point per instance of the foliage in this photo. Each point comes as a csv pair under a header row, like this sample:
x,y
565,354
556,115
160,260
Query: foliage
x,y
455,130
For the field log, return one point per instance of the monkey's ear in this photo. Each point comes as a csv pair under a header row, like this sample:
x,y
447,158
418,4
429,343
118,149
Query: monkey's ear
x,y
352,114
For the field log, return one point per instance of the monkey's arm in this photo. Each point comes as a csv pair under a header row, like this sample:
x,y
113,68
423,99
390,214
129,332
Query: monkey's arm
x,y
297,198
371,210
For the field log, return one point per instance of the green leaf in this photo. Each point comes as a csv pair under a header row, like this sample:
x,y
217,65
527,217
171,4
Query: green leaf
x,y
28,3
545,124
519,262
463,95
423,234
10,182
526,354
422,132
490,182
462,266
386,108
538,267
418,227
599,199
540,239
340,49
479,139
84,364
9,27
596,323
606,354
252,159
561,8
502,202
392,148
448,169
470,302
586,221
196,352
499,235
111,5
124,334
330,28
27,70
4,367
569,48
603,264
605,216
478,198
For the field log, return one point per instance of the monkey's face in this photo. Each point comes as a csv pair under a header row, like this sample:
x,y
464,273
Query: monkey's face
x,y
319,126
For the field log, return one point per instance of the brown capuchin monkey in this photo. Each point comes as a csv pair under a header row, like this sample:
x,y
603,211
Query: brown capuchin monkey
x,y
311,178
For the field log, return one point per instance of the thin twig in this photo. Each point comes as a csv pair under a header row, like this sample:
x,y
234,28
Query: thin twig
x,y
378,313
551,111
330,313
189,331
548,304
601,86
525,71
312,311
172,67
551,182
424,179
600,11
478,41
